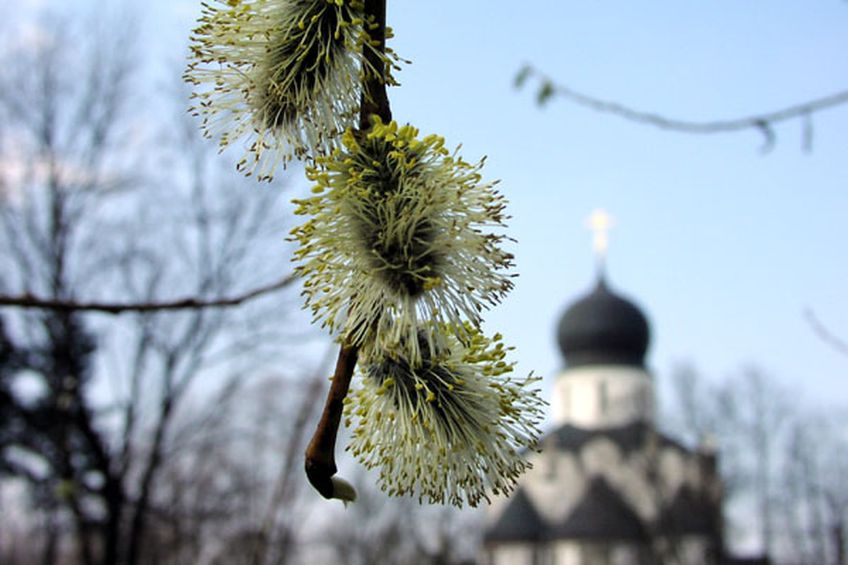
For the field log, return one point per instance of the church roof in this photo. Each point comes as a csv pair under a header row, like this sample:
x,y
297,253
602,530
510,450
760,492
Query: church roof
x,y
518,522
689,513
628,437
600,514
603,328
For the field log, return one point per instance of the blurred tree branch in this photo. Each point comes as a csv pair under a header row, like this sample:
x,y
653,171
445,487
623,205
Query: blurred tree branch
x,y
192,303
103,201
764,123
824,333
271,532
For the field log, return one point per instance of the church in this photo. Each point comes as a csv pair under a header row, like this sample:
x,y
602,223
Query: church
x,y
607,487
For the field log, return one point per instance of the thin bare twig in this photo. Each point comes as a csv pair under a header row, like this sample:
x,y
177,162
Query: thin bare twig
x,y
823,333
30,301
763,123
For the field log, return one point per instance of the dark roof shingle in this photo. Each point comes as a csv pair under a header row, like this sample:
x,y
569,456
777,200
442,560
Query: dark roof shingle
x,y
629,437
602,515
690,513
518,522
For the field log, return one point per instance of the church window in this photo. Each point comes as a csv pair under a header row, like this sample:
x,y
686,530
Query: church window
x,y
603,398
642,405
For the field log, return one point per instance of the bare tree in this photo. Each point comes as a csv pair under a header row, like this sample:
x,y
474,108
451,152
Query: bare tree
x,y
763,413
747,416
787,461
97,205
701,413
813,501
231,490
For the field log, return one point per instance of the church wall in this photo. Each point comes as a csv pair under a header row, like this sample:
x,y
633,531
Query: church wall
x,y
629,554
602,457
576,552
636,488
603,396
565,553
675,469
554,484
697,550
512,554
693,550
690,550
558,480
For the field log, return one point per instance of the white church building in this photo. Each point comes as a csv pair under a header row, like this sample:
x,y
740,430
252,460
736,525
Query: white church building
x,y
607,488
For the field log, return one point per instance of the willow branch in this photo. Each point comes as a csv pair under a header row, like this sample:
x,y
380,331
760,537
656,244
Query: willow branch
x,y
29,301
320,460
320,453
763,123
375,100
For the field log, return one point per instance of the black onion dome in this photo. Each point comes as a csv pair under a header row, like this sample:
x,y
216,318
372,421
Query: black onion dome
x,y
603,328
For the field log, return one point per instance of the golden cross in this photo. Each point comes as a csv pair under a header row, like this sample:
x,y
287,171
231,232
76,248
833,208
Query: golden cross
x,y
600,222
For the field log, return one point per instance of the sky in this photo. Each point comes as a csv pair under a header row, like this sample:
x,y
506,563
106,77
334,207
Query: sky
x,y
723,246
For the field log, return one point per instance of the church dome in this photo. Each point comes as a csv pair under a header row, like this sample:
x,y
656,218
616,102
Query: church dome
x,y
603,328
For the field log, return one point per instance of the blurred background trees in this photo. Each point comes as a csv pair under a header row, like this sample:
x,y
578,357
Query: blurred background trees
x,y
780,461
132,432
102,201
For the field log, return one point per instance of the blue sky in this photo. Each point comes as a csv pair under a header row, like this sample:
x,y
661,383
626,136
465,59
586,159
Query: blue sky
x,y
722,245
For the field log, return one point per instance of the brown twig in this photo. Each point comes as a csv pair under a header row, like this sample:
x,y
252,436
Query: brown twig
x,y
763,123
320,460
375,100
30,301
320,453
